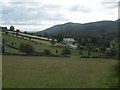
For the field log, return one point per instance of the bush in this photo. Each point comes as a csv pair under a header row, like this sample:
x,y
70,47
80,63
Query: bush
x,y
47,52
84,56
80,52
66,52
26,48
3,49
102,48
113,52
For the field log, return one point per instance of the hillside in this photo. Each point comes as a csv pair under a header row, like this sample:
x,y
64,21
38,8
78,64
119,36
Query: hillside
x,y
102,28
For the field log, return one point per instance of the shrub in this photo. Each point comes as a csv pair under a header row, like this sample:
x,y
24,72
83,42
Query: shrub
x,y
84,56
26,48
80,52
3,49
102,48
47,52
56,51
52,42
112,52
66,52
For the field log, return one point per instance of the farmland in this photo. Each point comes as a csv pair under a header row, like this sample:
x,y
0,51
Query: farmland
x,y
59,44
38,47
52,72
55,72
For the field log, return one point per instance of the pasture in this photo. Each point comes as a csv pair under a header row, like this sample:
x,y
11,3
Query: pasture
x,y
52,72
39,47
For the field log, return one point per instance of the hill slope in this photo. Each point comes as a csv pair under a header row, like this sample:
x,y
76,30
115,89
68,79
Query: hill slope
x,y
98,29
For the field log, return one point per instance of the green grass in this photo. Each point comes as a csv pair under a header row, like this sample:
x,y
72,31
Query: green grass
x,y
38,47
11,50
41,47
51,72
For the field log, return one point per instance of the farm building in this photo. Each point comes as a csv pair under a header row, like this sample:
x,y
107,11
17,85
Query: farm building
x,y
69,39
3,29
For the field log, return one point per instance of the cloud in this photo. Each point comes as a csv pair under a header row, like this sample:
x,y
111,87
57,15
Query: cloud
x,y
110,5
46,13
30,13
79,8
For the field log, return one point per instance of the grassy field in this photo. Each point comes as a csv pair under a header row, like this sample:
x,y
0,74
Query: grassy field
x,y
51,72
39,47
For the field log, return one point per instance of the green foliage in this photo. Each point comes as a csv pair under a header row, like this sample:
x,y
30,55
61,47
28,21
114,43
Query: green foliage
x,y
47,52
102,48
25,32
52,42
6,32
66,52
59,38
12,28
100,33
111,52
56,51
89,46
46,35
39,47
3,49
3,40
94,40
118,54
26,48
53,36
17,31
89,53
80,52
84,42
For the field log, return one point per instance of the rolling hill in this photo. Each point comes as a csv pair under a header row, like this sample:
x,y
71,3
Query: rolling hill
x,y
97,29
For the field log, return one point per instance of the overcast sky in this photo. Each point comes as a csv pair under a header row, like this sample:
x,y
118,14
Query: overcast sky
x,y
36,15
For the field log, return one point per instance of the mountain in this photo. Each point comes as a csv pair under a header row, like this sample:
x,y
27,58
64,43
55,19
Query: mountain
x,y
107,29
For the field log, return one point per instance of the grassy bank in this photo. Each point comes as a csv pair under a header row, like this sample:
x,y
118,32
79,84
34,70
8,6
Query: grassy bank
x,y
51,72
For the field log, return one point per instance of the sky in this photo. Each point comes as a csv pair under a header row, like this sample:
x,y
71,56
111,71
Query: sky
x,y
37,15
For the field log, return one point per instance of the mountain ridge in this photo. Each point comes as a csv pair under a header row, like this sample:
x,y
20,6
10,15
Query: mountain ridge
x,y
71,29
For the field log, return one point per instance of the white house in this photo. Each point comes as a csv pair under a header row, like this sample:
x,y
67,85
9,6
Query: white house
x,y
69,39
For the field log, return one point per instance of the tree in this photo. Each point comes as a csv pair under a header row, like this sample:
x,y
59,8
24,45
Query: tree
x,y
89,53
26,48
80,52
56,51
6,32
53,36
3,49
4,29
3,40
31,33
118,53
46,35
59,38
93,40
84,41
47,52
29,38
52,42
66,52
102,48
12,28
90,46
17,31
12,43
25,32
115,47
